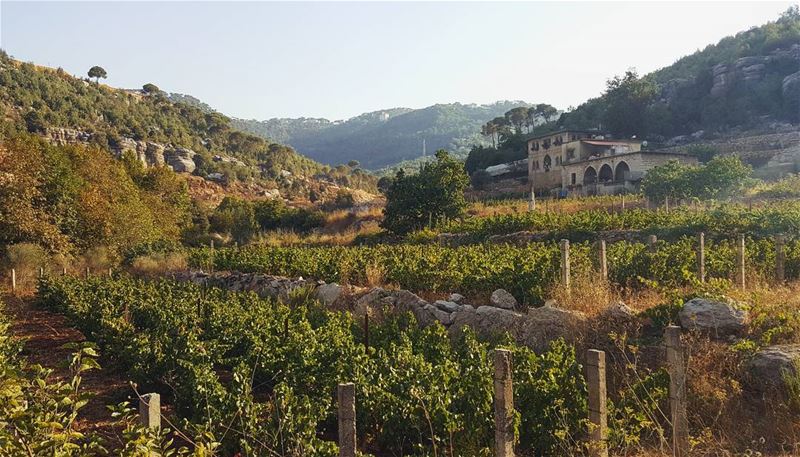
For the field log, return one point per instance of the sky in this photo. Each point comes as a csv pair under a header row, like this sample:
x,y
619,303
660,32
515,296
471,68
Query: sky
x,y
337,60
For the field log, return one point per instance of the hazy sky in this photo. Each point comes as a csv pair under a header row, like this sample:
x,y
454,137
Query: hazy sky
x,y
337,60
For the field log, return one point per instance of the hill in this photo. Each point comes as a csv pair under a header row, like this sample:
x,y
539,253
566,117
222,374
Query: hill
x,y
744,81
383,138
153,126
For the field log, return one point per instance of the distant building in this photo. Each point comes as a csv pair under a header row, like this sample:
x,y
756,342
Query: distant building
x,y
590,163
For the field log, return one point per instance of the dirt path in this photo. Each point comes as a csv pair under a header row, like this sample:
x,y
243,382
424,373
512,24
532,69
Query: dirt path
x,y
44,334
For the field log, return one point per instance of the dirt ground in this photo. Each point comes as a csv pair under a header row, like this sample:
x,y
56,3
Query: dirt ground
x,y
44,335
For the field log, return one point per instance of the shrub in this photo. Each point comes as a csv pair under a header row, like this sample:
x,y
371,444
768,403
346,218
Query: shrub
x,y
26,256
436,191
480,179
158,264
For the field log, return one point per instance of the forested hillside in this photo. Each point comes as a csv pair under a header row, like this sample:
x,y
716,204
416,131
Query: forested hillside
x,y
43,101
744,81
82,168
382,138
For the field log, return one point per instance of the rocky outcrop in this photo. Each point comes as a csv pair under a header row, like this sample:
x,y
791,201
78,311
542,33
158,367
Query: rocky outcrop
x,y
750,70
769,366
63,137
722,80
181,160
714,317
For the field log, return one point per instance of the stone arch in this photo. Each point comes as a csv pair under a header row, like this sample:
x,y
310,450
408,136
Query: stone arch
x,y
547,163
606,174
622,172
589,175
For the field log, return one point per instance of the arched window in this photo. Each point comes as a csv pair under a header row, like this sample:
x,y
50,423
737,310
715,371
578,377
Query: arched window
x,y
606,173
548,162
590,175
622,172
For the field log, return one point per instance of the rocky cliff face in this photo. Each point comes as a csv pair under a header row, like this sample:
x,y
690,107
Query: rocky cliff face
x,y
151,154
751,70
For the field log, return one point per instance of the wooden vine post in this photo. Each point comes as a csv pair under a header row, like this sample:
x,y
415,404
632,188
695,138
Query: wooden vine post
x,y
602,259
741,269
701,257
677,391
150,410
780,258
565,273
503,405
598,404
347,419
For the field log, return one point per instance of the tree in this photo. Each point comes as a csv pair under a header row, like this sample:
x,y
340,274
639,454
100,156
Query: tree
x,y
151,89
384,184
517,117
34,121
490,129
437,191
627,99
721,177
97,73
669,180
480,179
353,164
237,217
703,152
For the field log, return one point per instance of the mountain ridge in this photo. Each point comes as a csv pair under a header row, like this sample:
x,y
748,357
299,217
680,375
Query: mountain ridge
x,y
385,137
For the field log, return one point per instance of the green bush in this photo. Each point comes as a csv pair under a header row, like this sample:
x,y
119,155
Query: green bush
x,y
436,192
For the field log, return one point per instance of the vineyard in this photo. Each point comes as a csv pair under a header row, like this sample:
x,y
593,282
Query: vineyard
x,y
528,272
719,220
259,377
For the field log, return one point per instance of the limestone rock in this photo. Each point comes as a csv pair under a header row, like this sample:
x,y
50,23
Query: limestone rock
x,y
502,299
767,367
545,324
719,318
328,294
722,80
620,311
443,317
154,154
466,316
447,306
456,298
181,160
61,136
407,301
493,320
372,299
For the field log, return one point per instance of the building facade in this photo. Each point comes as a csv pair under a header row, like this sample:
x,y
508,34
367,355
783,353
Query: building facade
x,y
589,163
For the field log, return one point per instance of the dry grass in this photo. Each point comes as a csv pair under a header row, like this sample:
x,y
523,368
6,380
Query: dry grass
x,y
375,275
341,228
592,295
567,205
159,264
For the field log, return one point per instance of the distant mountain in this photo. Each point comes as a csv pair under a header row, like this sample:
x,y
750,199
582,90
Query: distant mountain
x,y
383,138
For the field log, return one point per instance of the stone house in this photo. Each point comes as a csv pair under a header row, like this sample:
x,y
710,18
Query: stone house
x,y
591,163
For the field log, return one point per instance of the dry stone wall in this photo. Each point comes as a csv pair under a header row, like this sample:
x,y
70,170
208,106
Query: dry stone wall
x,y
535,327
